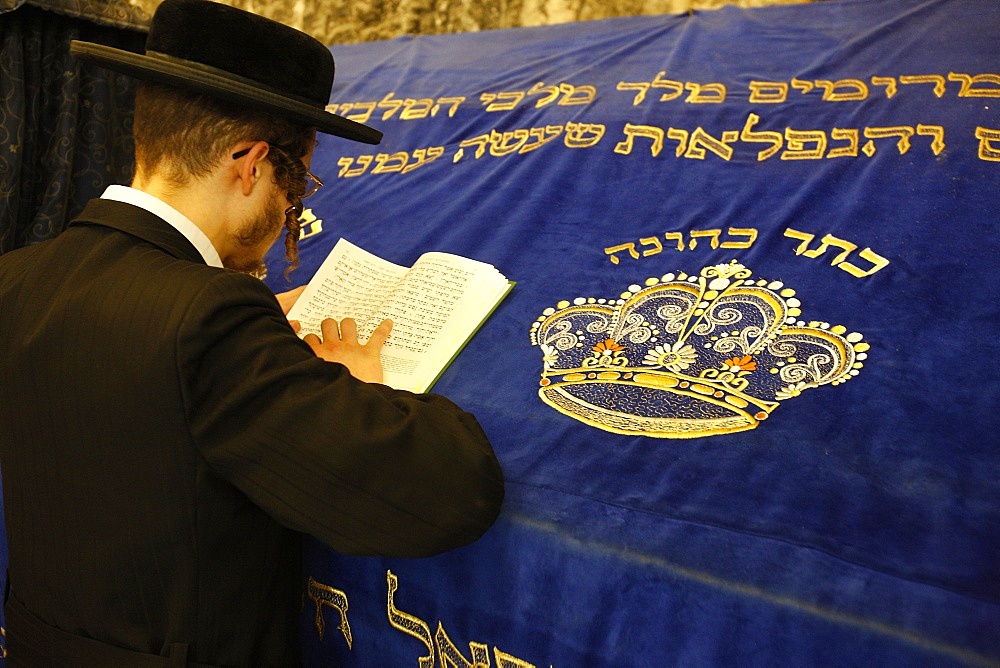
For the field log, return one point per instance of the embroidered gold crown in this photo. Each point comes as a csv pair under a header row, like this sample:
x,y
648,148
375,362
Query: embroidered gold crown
x,y
688,356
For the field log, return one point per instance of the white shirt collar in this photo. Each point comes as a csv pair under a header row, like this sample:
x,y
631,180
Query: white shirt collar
x,y
175,218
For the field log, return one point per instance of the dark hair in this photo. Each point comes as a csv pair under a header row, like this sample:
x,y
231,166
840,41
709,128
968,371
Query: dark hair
x,y
184,135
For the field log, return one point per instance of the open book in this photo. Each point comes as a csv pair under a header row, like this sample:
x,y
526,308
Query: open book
x,y
436,306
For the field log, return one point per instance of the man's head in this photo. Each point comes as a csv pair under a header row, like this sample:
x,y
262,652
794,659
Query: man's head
x,y
182,137
218,74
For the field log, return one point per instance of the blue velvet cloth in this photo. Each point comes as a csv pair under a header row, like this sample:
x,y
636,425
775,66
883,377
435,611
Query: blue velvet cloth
x,y
849,150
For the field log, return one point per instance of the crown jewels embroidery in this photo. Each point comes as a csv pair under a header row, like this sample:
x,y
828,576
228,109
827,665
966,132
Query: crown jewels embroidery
x,y
688,356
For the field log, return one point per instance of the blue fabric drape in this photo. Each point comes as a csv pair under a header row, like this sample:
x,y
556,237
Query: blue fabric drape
x,y
65,129
845,152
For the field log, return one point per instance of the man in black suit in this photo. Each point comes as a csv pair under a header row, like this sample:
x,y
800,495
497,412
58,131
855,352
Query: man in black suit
x,y
165,437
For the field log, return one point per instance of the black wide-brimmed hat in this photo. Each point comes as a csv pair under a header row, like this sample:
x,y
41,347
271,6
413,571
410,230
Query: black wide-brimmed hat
x,y
235,56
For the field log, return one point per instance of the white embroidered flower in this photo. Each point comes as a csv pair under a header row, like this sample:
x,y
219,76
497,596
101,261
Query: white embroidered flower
x,y
793,390
549,354
676,357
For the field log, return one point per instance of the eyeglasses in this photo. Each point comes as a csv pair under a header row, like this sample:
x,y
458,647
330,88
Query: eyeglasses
x,y
313,183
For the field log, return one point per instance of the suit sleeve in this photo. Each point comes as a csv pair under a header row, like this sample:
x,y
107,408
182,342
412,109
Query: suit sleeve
x,y
366,469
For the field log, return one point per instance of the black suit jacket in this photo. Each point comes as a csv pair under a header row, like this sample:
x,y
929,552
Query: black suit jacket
x,y
165,439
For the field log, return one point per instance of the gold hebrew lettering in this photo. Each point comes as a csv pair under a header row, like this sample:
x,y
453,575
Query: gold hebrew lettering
x,y
878,263
969,81
711,234
364,161
902,131
797,141
632,131
386,163
423,156
451,102
416,108
829,240
392,104
504,101
888,82
674,88
826,242
505,143
805,237
408,624
850,135
651,241
551,94
987,150
748,232
680,136
630,247
935,79
479,142
936,131
451,657
542,137
573,95
367,108
639,86
804,86
310,224
768,92
843,90
320,595
679,236
344,164
710,93
700,141
312,230
583,135
776,139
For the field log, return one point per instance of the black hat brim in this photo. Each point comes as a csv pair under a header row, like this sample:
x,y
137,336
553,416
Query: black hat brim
x,y
203,79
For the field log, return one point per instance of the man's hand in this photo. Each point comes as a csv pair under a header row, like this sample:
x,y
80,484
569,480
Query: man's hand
x,y
287,299
340,344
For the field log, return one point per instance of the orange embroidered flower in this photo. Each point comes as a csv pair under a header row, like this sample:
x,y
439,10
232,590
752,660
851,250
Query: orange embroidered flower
x,y
738,364
607,346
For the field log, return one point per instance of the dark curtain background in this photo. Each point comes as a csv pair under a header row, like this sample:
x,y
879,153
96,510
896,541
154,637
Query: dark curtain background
x,y
65,128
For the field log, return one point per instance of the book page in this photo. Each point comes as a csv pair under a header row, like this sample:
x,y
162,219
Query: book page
x,y
351,282
439,302
434,306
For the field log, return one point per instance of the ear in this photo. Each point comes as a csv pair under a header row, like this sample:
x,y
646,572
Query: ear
x,y
249,167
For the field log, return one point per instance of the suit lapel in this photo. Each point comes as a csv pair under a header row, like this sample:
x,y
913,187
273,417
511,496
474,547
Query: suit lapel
x,y
140,223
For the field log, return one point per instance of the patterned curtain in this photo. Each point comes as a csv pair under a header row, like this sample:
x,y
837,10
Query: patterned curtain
x,y
65,128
